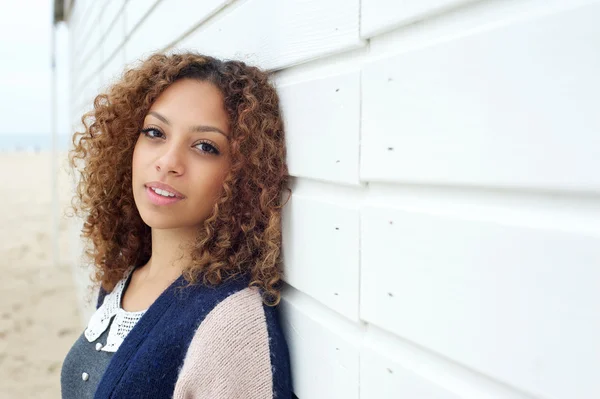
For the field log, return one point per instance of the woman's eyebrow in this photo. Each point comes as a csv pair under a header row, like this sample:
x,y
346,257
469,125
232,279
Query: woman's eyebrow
x,y
198,129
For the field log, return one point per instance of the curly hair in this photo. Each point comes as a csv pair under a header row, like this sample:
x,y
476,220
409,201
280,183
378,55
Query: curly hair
x,y
242,235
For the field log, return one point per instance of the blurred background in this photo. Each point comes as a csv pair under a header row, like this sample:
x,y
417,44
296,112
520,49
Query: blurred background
x,y
443,237
39,315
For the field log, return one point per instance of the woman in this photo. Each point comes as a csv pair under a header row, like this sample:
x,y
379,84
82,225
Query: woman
x,y
182,170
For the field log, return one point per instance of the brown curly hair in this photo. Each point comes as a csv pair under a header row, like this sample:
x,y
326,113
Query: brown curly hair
x,y
242,235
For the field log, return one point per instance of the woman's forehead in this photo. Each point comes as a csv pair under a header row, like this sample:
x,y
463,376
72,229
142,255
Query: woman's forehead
x,y
193,103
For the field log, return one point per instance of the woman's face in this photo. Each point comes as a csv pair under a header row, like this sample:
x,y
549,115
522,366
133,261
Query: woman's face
x,y
181,156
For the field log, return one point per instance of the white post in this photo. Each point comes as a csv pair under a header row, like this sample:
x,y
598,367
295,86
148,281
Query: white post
x,y
54,155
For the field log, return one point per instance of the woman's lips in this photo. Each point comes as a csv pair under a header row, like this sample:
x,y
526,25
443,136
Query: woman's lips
x,y
164,186
158,199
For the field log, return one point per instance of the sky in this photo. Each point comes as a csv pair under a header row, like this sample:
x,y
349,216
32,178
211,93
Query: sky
x,y
25,67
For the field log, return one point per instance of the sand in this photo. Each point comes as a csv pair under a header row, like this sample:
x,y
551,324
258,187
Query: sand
x,y
40,315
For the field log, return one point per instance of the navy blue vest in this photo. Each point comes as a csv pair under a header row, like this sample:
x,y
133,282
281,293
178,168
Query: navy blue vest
x,y
147,363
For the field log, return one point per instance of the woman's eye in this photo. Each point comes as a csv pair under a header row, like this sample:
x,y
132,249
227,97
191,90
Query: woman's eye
x,y
152,133
206,147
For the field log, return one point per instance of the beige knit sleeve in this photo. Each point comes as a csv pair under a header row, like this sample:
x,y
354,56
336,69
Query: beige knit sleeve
x,y
229,354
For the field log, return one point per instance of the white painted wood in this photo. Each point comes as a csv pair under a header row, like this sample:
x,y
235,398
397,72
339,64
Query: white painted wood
x,y
510,300
84,100
114,69
173,24
382,378
476,110
88,56
323,349
322,122
89,36
81,12
87,49
136,11
112,24
320,256
89,71
377,16
113,39
276,34
391,367
75,18
465,20
77,88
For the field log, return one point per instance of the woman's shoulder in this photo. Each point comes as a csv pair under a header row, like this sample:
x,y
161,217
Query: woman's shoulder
x,y
238,349
224,309
240,308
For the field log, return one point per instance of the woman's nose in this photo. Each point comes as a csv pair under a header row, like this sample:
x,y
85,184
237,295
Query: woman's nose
x,y
171,161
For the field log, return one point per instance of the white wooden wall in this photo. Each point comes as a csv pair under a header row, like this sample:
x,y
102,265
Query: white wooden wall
x,y
443,238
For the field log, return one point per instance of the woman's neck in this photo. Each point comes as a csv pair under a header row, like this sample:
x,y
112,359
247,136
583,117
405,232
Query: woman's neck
x,y
169,254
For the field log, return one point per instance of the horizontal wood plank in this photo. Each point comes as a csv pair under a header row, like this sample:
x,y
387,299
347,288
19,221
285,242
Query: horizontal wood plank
x,y
500,298
477,110
275,34
320,242
322,122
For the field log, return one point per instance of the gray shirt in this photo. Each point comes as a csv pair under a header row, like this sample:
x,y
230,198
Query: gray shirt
x,y
84,358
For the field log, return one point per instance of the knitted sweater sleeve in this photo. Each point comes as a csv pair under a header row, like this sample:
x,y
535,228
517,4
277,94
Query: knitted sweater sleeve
x,y
229,356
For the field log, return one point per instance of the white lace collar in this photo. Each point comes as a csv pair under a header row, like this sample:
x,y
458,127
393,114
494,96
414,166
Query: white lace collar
x,y
122,324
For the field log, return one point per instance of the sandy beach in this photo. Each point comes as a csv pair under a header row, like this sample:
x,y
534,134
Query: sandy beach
x,y
39,312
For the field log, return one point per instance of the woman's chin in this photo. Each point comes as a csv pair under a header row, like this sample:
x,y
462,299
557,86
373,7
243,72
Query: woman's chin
x,y
161,223
165,222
